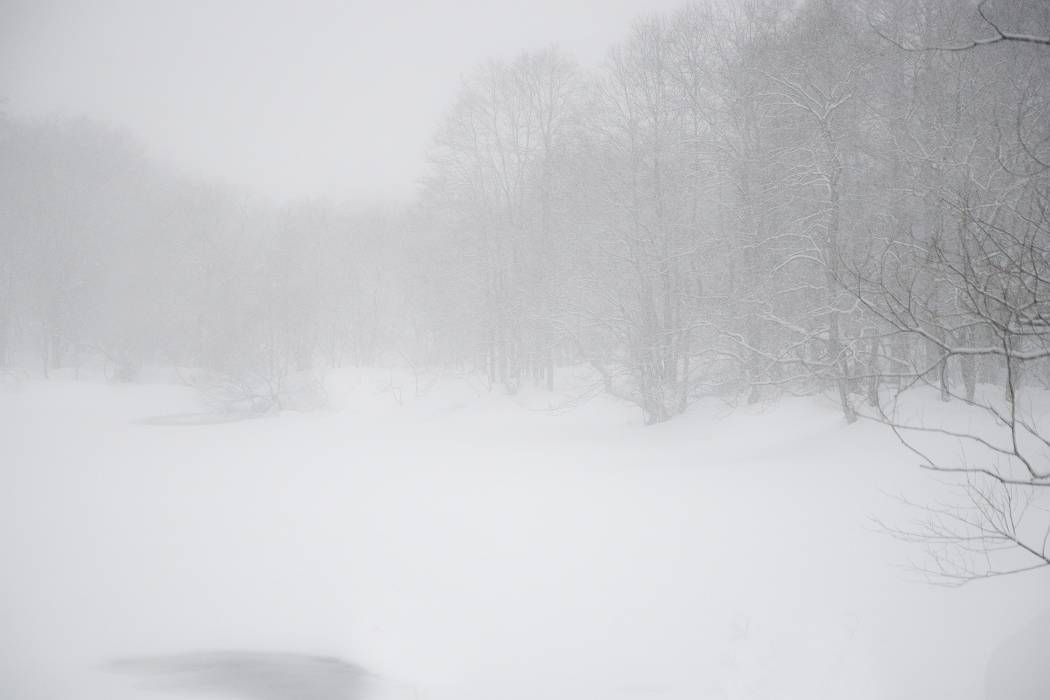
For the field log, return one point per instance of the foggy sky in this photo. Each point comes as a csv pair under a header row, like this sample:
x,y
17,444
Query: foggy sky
x,y
318,97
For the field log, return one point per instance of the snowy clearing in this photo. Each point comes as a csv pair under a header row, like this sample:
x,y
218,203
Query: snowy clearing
x,y
472,546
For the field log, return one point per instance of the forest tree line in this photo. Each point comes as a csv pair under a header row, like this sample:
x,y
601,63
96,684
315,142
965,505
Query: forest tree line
x,y
816,196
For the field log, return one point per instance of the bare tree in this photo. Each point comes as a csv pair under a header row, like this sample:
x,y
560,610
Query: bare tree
x,y
957,281
997,35
995,440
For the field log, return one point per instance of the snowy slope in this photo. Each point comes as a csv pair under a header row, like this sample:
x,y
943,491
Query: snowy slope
x,y
471,546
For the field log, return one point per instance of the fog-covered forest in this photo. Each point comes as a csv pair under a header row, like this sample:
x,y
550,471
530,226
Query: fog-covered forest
x,y
741,199
742,204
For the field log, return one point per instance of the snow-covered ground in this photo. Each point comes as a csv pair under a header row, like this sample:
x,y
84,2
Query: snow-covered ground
x,y
474,546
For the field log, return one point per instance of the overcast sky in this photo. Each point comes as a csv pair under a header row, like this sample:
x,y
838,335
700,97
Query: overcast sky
x,y
316,97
